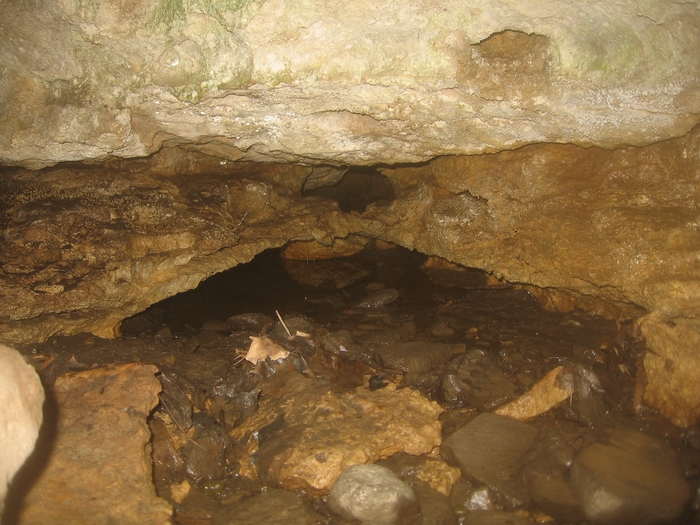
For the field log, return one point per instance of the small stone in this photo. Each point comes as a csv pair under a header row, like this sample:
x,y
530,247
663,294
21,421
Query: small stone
x,y
378,298
164,333
373,495
629,478
441,329
250,322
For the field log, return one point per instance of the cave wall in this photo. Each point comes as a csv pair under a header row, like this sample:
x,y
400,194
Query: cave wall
x,y
552,143
617,231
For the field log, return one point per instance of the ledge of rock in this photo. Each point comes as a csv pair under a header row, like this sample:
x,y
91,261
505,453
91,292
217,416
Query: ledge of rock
x,y
331,82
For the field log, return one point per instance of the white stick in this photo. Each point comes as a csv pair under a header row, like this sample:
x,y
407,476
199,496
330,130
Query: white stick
x,y
282,321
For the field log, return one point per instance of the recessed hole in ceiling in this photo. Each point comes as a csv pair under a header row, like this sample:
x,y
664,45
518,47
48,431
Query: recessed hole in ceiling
x,y
353,188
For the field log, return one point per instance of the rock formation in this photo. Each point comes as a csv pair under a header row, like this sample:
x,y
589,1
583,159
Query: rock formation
x,y
553,145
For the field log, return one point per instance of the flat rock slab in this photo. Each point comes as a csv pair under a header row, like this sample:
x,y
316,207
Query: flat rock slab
x,y
100,468
306,437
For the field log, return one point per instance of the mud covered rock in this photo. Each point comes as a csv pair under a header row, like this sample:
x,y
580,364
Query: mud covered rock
x,y
272,507
304,438
629,478
490,449
373,495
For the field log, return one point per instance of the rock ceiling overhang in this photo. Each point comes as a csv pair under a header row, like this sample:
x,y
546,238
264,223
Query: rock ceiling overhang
x,y
341,82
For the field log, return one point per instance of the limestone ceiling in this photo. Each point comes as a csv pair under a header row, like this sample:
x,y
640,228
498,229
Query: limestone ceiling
x,y
333,82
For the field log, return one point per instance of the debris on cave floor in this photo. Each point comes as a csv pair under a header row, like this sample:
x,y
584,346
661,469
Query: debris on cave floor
x,y
480,405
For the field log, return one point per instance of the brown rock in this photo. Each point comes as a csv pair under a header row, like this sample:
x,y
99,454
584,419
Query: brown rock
x,y
312,250
672,368
542,396
305,438
100,468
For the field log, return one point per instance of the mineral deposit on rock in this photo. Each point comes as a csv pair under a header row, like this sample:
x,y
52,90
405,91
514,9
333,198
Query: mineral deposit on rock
x,y
314,433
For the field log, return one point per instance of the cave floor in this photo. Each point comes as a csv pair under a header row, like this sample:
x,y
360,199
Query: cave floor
x,y
487,343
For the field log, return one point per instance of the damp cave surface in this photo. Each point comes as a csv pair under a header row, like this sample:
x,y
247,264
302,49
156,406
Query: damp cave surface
x,y
502,342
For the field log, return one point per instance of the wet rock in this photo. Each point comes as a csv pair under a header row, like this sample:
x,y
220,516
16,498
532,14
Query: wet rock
x,y
373,495
490,449
325,431
435,507
552,494
378,298
546,393
476,379
432,472
495,517
253,323
629,478
441,329
272,507
416,357
547,471
100,468
204,455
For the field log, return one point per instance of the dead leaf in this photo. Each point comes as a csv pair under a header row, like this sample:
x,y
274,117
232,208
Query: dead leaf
x,y
261,348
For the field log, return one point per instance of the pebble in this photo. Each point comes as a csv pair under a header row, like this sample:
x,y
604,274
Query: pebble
x,y
629,478
373,495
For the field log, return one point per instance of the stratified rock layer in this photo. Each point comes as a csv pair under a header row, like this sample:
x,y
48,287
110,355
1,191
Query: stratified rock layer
x,y
86,247
341,83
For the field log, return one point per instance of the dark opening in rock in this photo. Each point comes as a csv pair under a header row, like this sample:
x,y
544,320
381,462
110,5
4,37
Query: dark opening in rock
x,y
352,188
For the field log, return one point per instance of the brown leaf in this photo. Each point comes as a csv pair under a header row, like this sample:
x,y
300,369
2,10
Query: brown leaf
x,y
261,348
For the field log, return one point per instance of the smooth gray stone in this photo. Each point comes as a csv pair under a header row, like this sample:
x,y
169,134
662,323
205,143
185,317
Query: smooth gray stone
x,y
373,495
